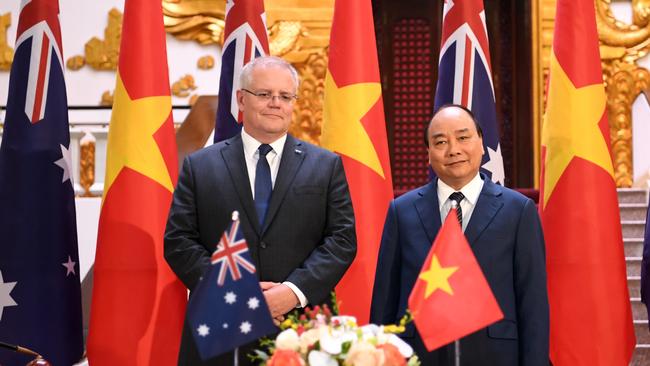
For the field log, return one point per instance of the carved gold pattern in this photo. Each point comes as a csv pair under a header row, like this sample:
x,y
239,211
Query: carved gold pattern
x,y
308,112
6,52
107,99
182,87
198,20
75,63
87,164
103,54
205,63
621,46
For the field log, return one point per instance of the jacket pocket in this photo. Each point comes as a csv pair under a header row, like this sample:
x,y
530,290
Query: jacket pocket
x,y
505,329
309,190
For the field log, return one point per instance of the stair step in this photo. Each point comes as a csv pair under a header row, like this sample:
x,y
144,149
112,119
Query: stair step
x,y
634,286
642,332
633,228
633,265
639,310
641,355
633,211
633,247
632,195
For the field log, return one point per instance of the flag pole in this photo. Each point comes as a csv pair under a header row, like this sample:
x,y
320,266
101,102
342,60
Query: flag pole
x,y
457,352
235,362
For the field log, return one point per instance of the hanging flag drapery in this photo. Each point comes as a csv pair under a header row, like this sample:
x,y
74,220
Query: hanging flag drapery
x,y
138,304
40,295
465,76
244,39
354,127
591,320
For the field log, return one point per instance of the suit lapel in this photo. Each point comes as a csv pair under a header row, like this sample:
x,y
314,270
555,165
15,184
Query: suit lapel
x,y
233,156
428,211
488,205
292,157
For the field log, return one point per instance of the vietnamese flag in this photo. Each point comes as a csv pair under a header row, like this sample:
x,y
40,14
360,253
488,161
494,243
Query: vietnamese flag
x,y
138,304
354,127
451,283
591,320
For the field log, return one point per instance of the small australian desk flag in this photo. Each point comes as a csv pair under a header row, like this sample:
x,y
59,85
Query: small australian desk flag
x,y
227,309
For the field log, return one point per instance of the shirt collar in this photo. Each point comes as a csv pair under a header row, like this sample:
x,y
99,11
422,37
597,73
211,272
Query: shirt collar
x,y
471,190
251,144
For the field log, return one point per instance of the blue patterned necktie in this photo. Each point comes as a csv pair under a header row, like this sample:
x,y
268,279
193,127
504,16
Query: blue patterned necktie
x,y
458,196
263,184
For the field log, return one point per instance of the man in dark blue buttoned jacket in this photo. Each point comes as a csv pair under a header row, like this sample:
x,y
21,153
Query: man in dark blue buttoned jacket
x,y
504,232
307,239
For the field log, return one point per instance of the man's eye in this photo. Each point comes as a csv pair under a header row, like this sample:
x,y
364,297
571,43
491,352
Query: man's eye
x,y
286,97
264,95
437,143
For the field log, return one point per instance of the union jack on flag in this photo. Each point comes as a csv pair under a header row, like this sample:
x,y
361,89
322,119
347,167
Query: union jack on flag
x,y
43,29
465,77
230,254
244,39
224,311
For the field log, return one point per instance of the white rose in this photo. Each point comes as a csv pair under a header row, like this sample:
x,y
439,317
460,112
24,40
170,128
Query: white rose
x,y
308,338
288,339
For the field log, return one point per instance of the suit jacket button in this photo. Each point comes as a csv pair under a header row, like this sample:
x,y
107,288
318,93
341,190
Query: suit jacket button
x,y
263,245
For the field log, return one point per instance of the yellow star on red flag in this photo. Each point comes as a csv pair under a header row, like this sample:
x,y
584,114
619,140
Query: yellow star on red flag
x,y
131,136
437,277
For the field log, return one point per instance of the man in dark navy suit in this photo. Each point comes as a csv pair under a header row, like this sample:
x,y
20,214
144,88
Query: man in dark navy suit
x,y
293,198
504,231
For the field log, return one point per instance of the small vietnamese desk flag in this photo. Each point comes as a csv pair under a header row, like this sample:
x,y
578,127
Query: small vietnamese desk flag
x,y
227,309
451,284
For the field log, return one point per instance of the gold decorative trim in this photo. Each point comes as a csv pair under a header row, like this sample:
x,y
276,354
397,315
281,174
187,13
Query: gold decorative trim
x,y
6,52
87,163
205,62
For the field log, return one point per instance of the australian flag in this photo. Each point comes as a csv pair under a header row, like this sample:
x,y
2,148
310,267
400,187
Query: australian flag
x,y
227,309
244,39
464,75
40,297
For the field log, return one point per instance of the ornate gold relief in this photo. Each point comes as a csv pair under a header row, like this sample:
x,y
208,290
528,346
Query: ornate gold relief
x,y
6,52
198,20
107,99
102,54
182,87
87,163
621,45
205,62
75,62
308,113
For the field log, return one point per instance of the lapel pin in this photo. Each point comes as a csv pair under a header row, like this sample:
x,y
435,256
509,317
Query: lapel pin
x,y
298,151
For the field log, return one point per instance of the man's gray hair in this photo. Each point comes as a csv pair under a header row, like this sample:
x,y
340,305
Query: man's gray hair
x,y
262,62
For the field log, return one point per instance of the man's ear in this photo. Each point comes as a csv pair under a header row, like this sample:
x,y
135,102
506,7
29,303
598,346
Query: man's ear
x,y
240,100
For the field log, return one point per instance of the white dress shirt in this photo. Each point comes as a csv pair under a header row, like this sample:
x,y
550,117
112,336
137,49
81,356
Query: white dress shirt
x,y
471,191
252,155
